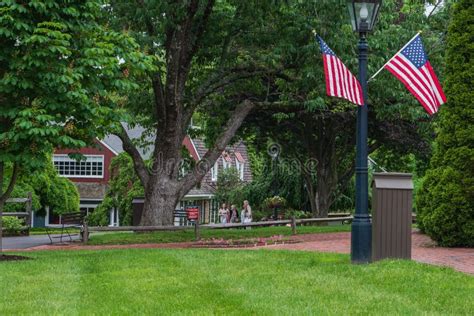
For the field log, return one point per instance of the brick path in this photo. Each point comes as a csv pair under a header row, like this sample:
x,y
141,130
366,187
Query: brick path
x,y
423,249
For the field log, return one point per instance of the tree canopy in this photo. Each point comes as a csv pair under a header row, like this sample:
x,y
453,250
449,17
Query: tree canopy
x,y
60,74
314,129
61,71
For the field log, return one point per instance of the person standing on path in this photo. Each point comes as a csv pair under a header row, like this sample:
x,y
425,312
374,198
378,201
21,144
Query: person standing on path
x,y
223,214
246,215
234,214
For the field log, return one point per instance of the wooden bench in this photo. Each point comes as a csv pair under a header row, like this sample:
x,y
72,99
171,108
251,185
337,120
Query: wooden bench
x,y
69,220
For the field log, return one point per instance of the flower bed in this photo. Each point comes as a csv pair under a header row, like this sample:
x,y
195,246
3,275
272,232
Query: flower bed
x,y
244,243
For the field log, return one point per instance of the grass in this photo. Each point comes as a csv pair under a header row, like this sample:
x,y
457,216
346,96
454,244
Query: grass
x,y
42,230
188,235
235,282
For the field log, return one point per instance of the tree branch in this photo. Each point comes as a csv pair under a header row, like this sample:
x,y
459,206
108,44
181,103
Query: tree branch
x,y
138,163
201,27
434,8
5,195
209,159
217,81
159,94
157,84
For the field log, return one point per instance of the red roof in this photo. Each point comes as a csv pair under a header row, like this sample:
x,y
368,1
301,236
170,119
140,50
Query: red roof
x,y
239,157
226,157
188,143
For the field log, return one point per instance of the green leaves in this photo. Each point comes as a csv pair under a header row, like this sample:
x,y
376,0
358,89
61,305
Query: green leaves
x,y
58,65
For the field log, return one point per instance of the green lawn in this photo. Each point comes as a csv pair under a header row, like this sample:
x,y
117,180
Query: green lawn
x,y
188,235
42,230
240,282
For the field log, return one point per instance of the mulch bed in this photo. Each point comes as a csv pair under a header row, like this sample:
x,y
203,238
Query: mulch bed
x,y
13,258
244,243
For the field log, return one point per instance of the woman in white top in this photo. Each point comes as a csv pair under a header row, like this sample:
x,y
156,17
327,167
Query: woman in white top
x,y
223,213
246,215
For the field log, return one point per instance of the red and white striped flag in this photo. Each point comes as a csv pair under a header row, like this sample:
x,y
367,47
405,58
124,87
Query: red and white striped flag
x,y
340,82
412,67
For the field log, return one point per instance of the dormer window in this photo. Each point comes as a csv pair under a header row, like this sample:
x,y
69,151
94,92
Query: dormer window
x,y
226,160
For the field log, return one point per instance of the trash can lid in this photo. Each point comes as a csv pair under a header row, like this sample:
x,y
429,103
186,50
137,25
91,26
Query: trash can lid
x,y
393,180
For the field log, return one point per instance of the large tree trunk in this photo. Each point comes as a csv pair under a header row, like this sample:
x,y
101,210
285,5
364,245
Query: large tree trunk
x,y
322,148
327,183
2,203
163,188
5,195
160,203
321,194
1,225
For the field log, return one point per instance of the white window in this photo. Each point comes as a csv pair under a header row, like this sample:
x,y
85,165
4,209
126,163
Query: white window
x,y
92,167
214,171
225,164
240,166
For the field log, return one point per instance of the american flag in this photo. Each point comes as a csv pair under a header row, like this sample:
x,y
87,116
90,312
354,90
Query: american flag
x,y
412,68
340,82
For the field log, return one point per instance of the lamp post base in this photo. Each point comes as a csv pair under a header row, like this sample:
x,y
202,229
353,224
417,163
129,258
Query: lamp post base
x,y
361,240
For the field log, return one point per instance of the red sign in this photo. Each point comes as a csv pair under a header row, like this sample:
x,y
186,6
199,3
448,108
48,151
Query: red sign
x,y
192,213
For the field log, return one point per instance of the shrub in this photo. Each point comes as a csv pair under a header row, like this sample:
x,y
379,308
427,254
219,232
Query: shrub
x,y
229,187
297,214
444,213
445,201
258,215
12,225
275,202
123,187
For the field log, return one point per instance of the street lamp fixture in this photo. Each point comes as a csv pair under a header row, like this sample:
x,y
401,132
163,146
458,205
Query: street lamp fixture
x,y
363,16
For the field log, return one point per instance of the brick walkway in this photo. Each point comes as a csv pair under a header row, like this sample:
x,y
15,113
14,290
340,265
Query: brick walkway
x,y
423,249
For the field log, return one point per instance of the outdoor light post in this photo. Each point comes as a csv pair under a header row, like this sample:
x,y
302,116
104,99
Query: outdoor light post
x,y
363,15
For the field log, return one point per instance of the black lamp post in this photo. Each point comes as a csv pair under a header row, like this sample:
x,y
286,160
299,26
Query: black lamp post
x,y
363,15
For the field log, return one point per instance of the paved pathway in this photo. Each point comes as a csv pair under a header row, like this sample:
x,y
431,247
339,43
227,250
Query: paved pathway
x,y
25,242
423,249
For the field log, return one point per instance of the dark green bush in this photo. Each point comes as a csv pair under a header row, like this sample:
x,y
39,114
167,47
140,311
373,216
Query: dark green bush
x,y
445,201
12,225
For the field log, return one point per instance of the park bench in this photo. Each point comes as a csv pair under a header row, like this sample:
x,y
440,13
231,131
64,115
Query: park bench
x,y
69,220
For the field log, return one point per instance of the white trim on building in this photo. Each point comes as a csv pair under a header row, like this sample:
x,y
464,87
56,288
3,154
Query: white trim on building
x,y
92,168
240,166
215,171
108,147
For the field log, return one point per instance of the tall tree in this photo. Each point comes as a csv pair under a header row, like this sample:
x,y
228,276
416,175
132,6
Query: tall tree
x,y
320,131
446,200
60,71
210,58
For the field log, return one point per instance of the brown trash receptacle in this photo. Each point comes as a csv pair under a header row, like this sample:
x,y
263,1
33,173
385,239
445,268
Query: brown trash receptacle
x,y
392,195
137,206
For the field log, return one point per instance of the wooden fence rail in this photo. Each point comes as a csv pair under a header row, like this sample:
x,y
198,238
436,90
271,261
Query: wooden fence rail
x,y
27,215
16,214
197,227
136,228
